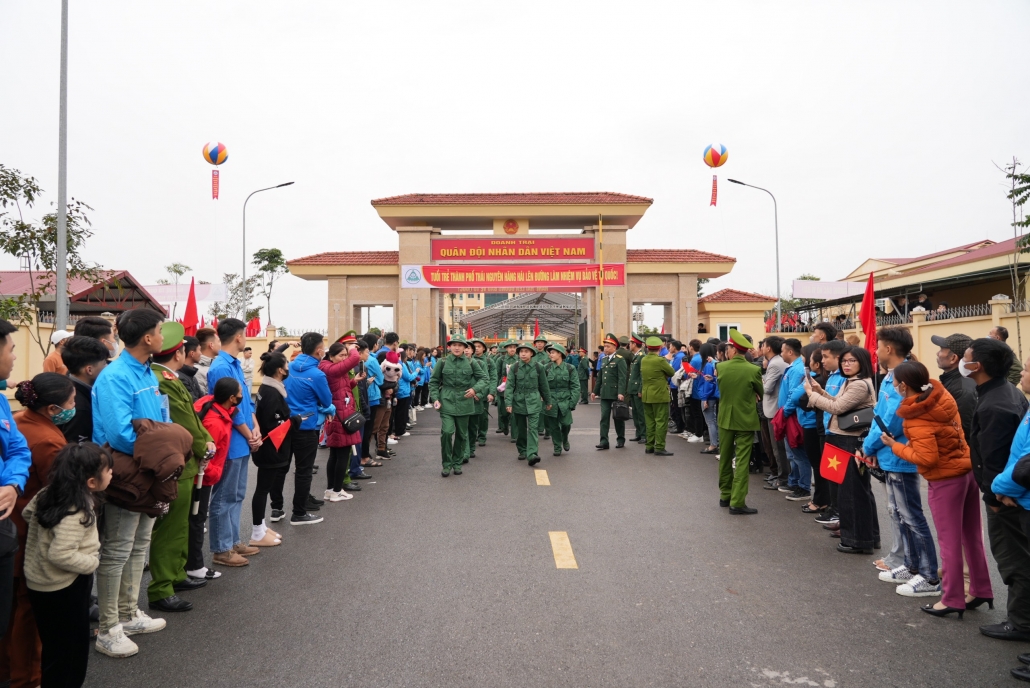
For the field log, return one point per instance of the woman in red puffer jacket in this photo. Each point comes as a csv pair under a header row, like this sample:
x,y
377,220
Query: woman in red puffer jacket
x,y
338,364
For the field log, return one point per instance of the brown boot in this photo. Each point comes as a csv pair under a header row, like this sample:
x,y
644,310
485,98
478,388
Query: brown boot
x,y
229,558
245,550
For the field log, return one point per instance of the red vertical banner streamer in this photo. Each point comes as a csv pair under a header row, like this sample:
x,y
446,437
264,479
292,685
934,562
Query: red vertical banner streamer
x,y
715,189
214,185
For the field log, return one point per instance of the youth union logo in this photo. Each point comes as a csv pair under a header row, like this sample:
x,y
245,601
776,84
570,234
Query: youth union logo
x,y
413,276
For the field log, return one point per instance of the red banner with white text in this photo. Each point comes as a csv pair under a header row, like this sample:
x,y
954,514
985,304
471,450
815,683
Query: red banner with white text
x,y
511,278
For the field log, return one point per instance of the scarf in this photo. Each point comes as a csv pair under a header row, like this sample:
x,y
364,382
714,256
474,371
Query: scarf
x,y
277,385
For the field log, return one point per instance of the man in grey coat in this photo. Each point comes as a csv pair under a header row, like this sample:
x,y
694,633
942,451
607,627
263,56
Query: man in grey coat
x,y
774,369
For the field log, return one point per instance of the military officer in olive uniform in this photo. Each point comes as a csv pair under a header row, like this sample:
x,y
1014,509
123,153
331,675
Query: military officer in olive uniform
x,y
541,358
610,386
655,372
454,384
636,345
740,384
526,395
584,377
483,405
562,380
502,361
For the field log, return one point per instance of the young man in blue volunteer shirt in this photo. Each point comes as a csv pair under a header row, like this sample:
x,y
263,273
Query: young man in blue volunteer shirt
x,y
917,572
126,390
792,387
309,398
831,351
15,459
228,493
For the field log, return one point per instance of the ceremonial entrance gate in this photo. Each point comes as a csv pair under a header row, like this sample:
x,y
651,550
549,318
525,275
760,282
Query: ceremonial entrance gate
x,y
550,242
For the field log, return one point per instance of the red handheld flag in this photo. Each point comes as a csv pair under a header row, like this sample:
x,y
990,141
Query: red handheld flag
x,y
279,434
868,318
536,327
189,318
834,463
687,368
468,331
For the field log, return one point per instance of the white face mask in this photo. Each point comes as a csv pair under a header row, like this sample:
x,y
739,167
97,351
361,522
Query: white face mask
x,y
963,370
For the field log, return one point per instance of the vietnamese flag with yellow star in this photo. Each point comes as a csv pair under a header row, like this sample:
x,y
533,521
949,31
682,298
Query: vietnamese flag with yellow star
x,y
835,463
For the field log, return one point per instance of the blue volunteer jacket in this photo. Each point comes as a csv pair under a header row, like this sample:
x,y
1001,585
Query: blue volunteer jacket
x,y
832,387
408,374
792,388
677,364
697,364
709,390
125,391
308,389
886,408
1004,484
375,378
15,456
225,365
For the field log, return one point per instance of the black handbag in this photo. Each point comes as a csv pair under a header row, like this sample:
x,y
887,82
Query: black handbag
x,y
353,422
621,410
856,421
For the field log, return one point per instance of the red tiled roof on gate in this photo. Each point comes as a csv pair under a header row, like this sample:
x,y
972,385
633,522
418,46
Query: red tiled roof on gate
x,y
674,255
734,296
546,198
349,258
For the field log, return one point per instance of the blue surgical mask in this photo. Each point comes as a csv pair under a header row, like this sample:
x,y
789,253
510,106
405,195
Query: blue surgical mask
x,y
64,416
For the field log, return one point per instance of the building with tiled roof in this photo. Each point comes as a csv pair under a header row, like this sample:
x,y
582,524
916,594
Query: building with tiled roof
x,y
735,296
733,308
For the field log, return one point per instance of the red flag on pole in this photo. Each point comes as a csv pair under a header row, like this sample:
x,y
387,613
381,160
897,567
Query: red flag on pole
x,y
468,330
214,323
279,434
253,327
189,318
867,316
663,328
536,327
834,463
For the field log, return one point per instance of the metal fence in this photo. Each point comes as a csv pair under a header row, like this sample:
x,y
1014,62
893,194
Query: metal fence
x,y
49,317
300,331
975,310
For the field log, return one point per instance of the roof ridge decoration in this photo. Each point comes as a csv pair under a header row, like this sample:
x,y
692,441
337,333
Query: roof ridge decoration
x,y
515,198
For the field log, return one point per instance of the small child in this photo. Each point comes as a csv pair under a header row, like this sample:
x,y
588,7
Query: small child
x,y
61,553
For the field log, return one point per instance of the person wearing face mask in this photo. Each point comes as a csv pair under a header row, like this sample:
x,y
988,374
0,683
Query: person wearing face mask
x,y
49,402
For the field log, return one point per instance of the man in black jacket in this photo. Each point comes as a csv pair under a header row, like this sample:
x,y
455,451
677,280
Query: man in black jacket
x,y
963,389
999,409
84,357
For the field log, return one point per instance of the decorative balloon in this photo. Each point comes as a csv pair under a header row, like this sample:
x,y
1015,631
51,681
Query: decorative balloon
x,y
715,155
215,153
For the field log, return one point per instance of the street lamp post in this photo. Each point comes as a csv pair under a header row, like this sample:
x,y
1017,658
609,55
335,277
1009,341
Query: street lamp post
x,y
61,266
243,284
776,225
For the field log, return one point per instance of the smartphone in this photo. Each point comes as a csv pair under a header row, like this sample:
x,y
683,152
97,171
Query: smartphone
x,y
883,426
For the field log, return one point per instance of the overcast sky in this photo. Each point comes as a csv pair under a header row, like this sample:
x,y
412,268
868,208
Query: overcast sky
x,y
876,124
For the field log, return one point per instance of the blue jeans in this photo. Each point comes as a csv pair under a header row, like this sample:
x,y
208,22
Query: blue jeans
x,y
226,502
800,468
711,420
905,506
896,556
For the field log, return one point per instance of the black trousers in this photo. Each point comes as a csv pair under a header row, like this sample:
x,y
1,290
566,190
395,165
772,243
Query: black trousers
x,y
821,487
8,548
270,482
1007,531
195,547
676,414
62,618
422,395
400,416
337,467
859,525
697,426
305,449
366,433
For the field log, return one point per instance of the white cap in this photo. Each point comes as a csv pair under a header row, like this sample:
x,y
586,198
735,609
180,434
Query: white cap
x,y
59,336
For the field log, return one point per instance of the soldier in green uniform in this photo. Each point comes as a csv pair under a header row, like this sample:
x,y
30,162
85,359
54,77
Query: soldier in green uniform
x,y
564,386
504,360
541,358
636,345
170,541
740,384
454,384
655,372
526,395
584,376
483,422
610,386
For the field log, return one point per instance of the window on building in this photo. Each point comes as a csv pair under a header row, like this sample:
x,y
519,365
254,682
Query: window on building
x,y
724,330
472,296
519,333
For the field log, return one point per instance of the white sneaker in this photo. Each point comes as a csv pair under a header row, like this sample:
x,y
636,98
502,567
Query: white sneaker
x,y
919,587
900,574
114,643
694,439
340,496
139,622
407,434
685,435
420,408
390,440
328,495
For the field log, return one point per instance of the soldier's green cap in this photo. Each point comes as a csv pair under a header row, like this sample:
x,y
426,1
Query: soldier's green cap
x,y
540,338
739,341
654,343
457,339
623,341
524,345
611,339
172,333
477,340
636,338
510,342
559,348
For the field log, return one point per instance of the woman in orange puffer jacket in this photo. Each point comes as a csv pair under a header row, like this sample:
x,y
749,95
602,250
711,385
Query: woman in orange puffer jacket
x,y
937,446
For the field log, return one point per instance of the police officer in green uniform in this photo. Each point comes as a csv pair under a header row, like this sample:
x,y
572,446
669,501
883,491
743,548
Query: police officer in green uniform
x,y
504,359
655,372
584,376
454,384
636,345
483,422
610,386
564,385
740,384
527,395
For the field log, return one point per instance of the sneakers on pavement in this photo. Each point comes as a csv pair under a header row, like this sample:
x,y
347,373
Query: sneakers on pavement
x,y
390,440
277,515
900,574
919,587
786,488
114,643
139,623
827,519
305,520
798,495
407,434
340,496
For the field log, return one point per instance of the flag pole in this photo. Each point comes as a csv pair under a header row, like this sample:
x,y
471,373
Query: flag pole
x,y
600,257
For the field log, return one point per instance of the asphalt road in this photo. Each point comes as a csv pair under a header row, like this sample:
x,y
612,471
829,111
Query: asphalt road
x,y
425,581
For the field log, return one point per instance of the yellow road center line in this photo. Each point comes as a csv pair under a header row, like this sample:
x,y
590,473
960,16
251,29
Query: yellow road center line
x,y
541,477
563,556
